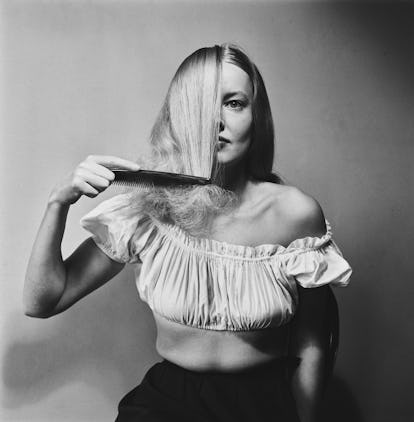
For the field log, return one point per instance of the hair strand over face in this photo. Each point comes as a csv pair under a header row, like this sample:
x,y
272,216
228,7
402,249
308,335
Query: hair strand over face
x,y
185,134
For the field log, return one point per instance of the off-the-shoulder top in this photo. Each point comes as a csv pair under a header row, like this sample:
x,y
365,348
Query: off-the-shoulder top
x,y
211,284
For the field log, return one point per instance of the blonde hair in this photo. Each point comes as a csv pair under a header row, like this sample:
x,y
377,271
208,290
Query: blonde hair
x,y
184,140
184,136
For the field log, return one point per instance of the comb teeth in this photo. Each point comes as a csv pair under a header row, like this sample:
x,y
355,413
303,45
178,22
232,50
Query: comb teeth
x,y
148,179
132,184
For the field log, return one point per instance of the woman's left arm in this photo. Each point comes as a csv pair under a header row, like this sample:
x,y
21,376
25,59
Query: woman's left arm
x,y
308,341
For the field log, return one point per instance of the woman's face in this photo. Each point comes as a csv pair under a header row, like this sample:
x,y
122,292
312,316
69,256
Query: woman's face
x,y
236,114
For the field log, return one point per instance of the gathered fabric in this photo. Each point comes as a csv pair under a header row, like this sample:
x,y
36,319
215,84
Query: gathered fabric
x,y
211,284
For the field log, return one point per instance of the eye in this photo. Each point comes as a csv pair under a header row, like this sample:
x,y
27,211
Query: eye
x,y
235,104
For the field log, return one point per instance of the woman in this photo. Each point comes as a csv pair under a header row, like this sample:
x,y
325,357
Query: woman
x,y
235,273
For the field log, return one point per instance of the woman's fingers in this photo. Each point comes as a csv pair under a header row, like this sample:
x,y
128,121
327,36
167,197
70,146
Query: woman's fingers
x,y
98,169
113,163
96,181
87,189
96,172
90,177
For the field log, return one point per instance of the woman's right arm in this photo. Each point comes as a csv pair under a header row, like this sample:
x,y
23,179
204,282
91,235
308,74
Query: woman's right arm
x,y
52,284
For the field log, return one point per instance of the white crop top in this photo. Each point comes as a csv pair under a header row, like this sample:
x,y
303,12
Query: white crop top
x,y
211,284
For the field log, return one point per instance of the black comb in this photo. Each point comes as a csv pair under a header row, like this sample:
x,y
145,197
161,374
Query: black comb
x,y
151,178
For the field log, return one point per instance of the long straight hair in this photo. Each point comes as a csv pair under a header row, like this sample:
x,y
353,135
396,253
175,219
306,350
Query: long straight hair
x,y
185,135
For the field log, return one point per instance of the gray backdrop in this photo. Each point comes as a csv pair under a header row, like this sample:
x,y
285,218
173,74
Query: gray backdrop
x,y
81,77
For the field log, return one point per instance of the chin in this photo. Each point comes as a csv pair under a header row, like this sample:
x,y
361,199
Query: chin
x,y
226,158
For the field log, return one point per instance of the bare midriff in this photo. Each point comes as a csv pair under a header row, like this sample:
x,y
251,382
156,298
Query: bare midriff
x,y
225,351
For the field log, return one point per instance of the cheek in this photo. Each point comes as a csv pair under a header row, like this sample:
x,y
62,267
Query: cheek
x,y
239,123
245,128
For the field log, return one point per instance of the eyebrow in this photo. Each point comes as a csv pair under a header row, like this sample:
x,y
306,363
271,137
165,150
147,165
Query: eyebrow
x,y
234,93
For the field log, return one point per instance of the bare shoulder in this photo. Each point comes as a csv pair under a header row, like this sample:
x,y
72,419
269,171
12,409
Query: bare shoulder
x,y
301,214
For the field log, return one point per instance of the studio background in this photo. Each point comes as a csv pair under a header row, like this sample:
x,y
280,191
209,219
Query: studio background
x,y
83,77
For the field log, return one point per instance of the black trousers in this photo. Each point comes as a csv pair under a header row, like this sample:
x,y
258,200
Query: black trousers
x,y
170,393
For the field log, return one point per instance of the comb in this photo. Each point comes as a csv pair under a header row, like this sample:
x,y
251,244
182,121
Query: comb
x,y
152,178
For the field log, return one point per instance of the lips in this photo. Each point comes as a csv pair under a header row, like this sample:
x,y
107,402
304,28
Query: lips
x,y
221,139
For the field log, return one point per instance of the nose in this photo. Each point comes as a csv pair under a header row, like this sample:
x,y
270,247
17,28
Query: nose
x,y
221,124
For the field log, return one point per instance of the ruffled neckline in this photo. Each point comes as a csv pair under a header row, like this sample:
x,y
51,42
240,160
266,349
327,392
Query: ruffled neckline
x,y
218,247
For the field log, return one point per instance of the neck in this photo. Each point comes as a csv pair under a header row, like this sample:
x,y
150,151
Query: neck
x,y
234,178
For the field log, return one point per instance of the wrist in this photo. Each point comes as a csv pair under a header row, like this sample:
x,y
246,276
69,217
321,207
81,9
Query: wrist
x,y
62,197
57,204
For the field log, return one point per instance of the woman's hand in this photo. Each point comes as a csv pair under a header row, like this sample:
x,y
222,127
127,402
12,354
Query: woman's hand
x,y
91,177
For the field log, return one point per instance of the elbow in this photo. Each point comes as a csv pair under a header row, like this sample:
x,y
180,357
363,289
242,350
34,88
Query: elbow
x,y
39,302
311,353
36,310
33,313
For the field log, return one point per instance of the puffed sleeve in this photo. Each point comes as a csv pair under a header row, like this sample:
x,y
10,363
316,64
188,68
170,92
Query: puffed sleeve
x,y
317,261
118,229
